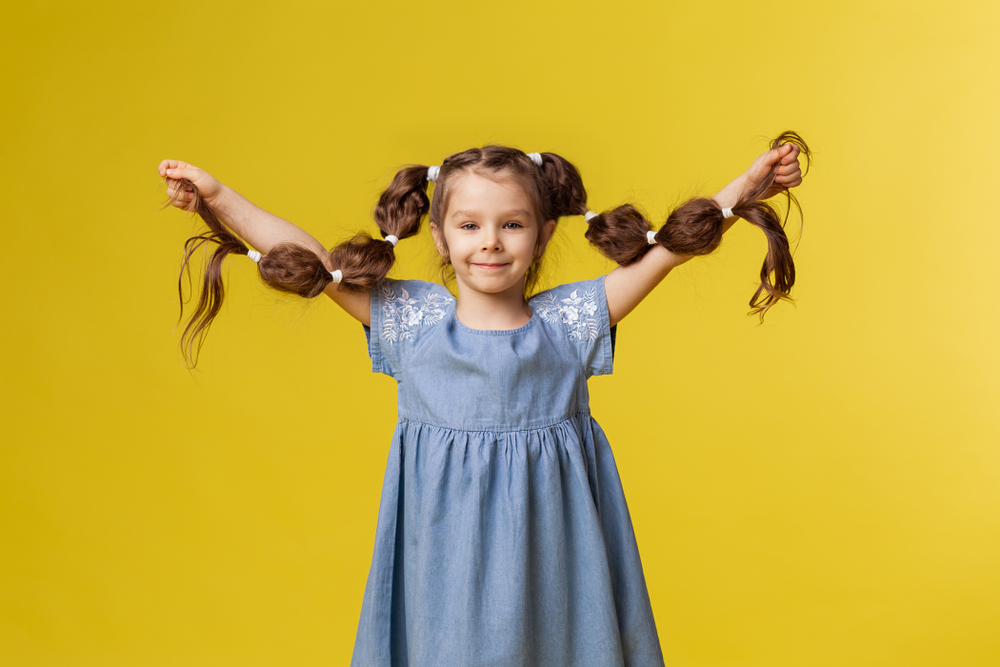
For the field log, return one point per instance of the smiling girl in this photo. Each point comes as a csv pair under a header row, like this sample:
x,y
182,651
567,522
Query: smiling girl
x,y
503,536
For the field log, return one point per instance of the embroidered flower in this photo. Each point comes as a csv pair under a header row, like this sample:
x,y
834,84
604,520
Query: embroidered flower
x,y
402,314
577,313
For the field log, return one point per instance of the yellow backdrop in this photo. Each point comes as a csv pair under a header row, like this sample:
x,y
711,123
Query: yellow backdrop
x,y
823,489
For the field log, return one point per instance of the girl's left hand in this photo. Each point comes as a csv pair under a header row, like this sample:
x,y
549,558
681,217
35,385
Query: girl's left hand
x,y
788,173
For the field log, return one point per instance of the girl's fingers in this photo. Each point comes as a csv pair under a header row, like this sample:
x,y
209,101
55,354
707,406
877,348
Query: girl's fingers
x,y
790,180
792,155
786,169
787,175
170,164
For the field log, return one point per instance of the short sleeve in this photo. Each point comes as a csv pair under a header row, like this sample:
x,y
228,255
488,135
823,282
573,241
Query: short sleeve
x,y
403,312
578,313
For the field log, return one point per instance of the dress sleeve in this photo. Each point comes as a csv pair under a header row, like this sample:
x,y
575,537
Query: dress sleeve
x,y
403,313
578,313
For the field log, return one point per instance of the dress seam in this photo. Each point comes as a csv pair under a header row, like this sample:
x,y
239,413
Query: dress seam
x,y
581,413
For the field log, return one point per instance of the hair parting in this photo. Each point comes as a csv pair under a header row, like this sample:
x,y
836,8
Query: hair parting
x,y
695,228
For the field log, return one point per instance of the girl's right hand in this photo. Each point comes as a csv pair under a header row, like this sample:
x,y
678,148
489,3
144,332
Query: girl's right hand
x,y
175,171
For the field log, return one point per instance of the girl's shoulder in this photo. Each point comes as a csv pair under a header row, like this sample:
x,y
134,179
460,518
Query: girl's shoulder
x,y
403,312
402,307
582,306
578,313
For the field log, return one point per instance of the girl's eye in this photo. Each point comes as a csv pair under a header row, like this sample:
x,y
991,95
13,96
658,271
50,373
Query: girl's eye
x,y
513,225
469,226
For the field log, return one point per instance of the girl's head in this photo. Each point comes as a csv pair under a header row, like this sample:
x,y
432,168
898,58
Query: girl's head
x,y
506,199
491,234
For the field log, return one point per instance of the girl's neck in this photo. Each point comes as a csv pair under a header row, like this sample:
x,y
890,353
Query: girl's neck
x,y
492,312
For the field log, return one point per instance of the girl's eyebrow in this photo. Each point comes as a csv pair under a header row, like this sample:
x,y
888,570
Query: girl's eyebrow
x,y
472,214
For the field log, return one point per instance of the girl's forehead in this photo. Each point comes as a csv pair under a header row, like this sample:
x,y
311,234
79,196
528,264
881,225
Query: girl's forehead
x,y
472,191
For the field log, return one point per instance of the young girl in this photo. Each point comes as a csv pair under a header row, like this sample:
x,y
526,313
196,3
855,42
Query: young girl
x,y
503,536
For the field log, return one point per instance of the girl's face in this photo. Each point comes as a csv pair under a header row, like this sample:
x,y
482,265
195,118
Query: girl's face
x,y
491,233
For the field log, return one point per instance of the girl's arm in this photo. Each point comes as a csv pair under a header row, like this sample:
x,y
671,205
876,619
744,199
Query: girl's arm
x,y
627,286
257,227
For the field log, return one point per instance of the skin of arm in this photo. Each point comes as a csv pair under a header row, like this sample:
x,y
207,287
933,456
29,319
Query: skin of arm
x,y
627,286
264,230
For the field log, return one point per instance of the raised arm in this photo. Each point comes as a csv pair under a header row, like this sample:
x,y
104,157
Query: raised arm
x,y
258,228
628,285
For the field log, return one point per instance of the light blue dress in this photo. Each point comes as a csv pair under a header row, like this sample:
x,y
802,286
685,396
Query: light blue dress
x,y
503,536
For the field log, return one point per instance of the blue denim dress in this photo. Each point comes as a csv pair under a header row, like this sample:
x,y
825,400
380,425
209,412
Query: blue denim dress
x,y
503,536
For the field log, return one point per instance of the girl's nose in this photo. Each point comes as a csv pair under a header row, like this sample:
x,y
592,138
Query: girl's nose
x,y
491,240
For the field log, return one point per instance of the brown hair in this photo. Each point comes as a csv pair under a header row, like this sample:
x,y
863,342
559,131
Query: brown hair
x,y
556,189
695,228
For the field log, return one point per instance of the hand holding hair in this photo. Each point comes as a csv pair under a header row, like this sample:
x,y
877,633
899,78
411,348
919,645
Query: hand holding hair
x,y
183,179
784,160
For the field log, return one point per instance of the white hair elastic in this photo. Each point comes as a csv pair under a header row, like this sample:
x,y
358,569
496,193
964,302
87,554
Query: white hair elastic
x,y
536,158
336,276
590,215
254,255
651,237
432,174
392,239
727,213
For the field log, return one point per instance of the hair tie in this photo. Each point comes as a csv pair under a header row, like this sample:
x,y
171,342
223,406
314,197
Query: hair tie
x,y
254,255
336,276
727,213
651,237
392,239
432,174
536,158
590,215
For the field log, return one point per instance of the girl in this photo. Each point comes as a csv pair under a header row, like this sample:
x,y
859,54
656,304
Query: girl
x,y
503,536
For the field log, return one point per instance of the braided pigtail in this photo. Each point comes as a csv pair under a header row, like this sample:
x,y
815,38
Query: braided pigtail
x,y
696,227
621,234
562,191
365,261
287,267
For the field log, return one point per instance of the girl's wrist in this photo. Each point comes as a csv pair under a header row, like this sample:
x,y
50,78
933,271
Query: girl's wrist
x,y
729,195
222,200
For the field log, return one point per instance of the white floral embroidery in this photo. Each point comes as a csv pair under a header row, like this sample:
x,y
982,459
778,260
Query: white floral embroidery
x,y
403,314
578,313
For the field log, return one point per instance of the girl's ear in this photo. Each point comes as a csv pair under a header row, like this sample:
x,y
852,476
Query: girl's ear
x,y
439,240
545,235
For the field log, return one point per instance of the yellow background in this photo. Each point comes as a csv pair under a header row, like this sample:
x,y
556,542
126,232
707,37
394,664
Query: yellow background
x,y
823,489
